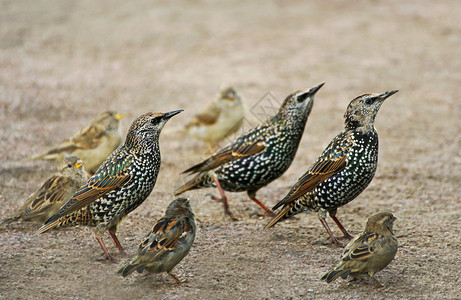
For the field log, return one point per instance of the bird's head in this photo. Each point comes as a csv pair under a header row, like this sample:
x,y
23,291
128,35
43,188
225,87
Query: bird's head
x,y
108,120
229,97
381,222
362,110
145,130
71,165
298,105
179,206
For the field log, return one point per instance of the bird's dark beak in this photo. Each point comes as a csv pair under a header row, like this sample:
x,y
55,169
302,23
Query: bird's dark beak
x,y
311,91
386,95
172,113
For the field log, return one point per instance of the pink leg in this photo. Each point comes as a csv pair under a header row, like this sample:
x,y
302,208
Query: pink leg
x,y
101,243
333,239
268,211
223,199
117,242
346,234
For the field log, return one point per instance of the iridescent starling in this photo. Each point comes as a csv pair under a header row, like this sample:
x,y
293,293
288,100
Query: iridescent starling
x,y
56,190
343,170
257,157
168,242
93,144
368,253
120,185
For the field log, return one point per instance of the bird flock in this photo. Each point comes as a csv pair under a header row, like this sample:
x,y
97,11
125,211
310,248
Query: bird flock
x,y
122,176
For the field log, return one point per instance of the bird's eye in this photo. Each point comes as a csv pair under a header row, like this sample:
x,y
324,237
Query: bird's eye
x,y
154,121
368,101
69,165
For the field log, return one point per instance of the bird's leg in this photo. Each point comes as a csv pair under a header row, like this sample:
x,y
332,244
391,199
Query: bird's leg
x,y
175,278
116,241
223,199
333,216
378,284
322,217
252,196
106,253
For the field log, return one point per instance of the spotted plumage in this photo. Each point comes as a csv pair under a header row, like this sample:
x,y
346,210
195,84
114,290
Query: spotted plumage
x,y
56,190
93,144
343,170
120,185
259,156
168,242
368,253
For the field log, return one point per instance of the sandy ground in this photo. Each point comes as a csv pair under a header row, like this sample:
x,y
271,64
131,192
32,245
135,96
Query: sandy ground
x,y
62,62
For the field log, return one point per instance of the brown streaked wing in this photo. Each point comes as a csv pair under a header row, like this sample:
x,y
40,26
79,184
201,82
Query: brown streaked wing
x,y
164,237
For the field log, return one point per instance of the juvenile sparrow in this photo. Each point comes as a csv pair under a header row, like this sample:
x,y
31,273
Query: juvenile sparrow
x,y
219,119
56,190
93,144
368,253
168,242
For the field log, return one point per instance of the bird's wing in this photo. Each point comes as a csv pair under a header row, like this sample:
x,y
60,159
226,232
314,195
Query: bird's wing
x,y
53,191
87,138
245,146
164,236
331,162
361,248
207,117
112,174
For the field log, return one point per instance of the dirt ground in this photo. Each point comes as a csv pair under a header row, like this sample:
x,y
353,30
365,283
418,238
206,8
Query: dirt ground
x,y
62,62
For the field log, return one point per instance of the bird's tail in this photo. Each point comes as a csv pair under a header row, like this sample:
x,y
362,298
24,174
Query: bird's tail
x,y
335,273
130,268
283,214
7,221
199,181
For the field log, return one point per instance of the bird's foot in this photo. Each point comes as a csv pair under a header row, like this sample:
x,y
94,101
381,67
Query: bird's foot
x,y
226,206
105,257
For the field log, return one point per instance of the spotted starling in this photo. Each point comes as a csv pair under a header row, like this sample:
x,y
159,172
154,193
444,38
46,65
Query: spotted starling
x,y
56,190
343,170
368,253
219,119
257,157
93,144
120,185
168,242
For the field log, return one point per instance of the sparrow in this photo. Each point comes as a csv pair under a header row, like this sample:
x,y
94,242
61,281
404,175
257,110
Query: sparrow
x,y
220,119
368,253
167,243
56,190
93,144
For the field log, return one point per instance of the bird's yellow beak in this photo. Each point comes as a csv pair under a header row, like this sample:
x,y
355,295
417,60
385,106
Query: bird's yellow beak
x,y
78,164
119,116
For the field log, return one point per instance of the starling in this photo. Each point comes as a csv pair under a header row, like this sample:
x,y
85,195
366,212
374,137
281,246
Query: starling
x,y
343,170
368,253
93,144
257,157
221,118
120,185
167,243
47,200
